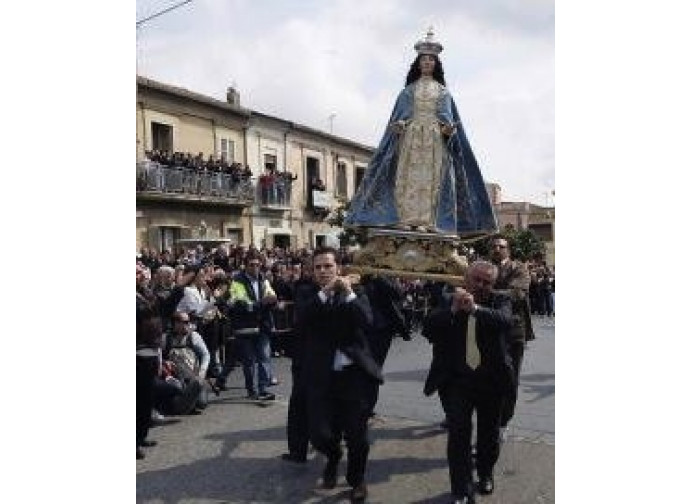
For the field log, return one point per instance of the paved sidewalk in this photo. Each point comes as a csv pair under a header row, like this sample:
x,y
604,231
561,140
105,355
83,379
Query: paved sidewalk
x,y
231,453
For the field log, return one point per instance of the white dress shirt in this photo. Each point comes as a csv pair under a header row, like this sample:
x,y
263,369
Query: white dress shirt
x,y
196,301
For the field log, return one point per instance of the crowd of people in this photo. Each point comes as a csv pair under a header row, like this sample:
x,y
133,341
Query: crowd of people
x,y
542,290
203,313
342,326
199,163
276,186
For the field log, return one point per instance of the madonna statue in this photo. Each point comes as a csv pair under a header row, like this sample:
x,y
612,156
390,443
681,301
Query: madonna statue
x,y
423,176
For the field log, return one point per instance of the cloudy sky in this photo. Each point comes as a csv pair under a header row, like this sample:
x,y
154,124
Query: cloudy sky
x,y
303,60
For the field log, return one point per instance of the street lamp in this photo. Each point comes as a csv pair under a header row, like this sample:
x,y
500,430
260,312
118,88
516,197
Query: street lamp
x,y
330,120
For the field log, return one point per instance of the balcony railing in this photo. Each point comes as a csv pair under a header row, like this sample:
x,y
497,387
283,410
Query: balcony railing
x,y
275,193
156,178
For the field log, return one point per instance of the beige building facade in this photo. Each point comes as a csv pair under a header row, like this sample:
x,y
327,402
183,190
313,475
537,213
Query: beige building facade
x,y
170,208
176,120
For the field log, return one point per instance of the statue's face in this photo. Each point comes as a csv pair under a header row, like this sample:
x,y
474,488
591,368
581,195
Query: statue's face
x,y
427,64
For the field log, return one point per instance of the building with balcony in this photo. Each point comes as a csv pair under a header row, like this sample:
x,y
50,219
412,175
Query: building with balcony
x,y
303,174
175,202
298,173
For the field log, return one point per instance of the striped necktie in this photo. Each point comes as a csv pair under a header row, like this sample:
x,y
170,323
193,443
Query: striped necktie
x,y
473,357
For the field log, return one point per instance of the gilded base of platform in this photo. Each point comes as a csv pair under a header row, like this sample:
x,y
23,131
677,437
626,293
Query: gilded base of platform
x,y
410,254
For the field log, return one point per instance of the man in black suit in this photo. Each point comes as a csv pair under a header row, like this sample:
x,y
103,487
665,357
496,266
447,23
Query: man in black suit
x,y
303,291
385,298
470,370
513,280
340,372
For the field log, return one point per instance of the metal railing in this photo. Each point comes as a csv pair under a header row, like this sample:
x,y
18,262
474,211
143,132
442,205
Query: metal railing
x,y
154,177
276,193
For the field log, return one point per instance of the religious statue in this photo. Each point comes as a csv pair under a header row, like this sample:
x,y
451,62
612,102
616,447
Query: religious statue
x,y
423,179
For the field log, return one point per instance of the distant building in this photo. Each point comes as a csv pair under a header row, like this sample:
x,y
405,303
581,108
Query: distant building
x,y
525,215
267,210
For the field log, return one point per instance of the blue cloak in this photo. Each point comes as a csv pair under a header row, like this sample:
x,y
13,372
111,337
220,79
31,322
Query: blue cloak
x,y
464,207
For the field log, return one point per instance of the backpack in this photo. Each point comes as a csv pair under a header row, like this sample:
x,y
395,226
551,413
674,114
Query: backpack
x,y
184,359
194,393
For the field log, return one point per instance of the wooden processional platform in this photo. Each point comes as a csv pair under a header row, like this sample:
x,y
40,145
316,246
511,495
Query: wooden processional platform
x,y
410,254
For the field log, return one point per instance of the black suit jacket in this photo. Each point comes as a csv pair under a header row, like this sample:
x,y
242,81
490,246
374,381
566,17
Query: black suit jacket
x,y
325,328
448,334
385,298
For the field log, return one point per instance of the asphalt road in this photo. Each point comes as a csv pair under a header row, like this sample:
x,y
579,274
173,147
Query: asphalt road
x,y
408,362
231,452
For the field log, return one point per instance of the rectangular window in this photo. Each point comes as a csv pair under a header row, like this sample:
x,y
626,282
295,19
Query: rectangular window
x,y
313,179
281,241
270,162
226,150
359,175
341,180
161,137
235,235
168,238
542,230
312,169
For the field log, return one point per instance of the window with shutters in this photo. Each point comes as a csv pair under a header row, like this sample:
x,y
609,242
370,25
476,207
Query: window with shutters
x,y
226,150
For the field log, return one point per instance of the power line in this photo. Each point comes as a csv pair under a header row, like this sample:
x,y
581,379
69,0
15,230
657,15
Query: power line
x,y
141,21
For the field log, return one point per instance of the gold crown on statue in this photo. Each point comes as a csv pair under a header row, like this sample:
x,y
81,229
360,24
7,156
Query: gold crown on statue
x,y
428,45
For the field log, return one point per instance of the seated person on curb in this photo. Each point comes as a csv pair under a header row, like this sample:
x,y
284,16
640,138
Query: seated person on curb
x,y
180,390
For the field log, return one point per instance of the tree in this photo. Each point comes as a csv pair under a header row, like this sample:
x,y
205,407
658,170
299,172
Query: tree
x,y
349,236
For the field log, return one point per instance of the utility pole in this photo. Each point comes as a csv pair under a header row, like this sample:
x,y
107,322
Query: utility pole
x,y
330,120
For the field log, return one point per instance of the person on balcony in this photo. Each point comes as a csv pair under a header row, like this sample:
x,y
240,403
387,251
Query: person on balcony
x,y
267,182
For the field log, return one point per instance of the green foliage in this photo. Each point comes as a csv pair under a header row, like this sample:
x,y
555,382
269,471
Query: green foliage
x,y
349,236
337,215
524,244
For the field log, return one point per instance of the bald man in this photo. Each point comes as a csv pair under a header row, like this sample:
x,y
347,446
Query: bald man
x,y
470,370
